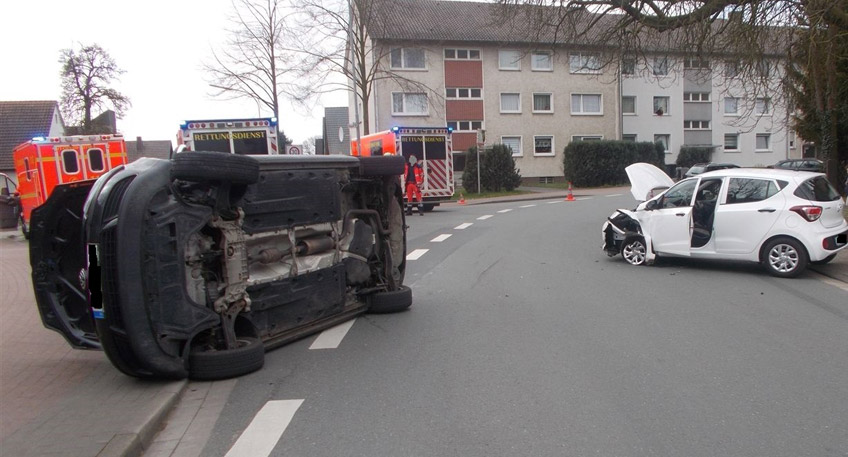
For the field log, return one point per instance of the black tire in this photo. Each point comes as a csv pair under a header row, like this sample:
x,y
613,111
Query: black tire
x,y
215,166
634,250
24,227
381,166
429,207
825,260
784,257
209,365
390,302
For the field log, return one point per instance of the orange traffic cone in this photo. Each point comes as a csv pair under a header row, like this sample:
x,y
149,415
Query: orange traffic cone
x,y
461,199
570,197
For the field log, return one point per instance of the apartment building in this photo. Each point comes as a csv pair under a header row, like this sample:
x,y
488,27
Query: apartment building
x,y
455,64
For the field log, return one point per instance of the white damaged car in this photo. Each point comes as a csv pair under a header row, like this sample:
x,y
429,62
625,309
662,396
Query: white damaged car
x,y
781,219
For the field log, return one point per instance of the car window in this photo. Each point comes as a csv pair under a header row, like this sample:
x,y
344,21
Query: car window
x,y
817,189
747,190
679,195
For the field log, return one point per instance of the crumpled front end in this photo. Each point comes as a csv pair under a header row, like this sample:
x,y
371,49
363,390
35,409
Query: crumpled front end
x,y
621,224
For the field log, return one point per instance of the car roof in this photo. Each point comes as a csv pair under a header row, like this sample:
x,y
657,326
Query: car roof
x,y
762,173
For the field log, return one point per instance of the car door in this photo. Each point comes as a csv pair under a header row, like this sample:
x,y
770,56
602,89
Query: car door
x,y
669,225
748,210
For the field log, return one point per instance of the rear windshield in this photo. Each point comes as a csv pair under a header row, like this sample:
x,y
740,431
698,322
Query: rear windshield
x,y
817,189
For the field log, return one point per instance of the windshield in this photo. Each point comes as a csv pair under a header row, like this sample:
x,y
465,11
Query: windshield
x,y
817,189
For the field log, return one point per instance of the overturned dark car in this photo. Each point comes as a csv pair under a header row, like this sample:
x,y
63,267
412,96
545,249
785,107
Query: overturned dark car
x,y
193,267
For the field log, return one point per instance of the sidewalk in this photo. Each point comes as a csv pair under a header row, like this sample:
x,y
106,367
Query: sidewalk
x,y
58,401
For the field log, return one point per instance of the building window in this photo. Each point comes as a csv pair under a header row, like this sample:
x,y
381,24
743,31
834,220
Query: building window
x,y
587,138
69,161
586,104
510,103
763,142
408,58
731,141
696,125
628,66
513,143
696,96
541,61
664,140
462,92
762,106
543,145
509,60
584,63
462,54
629,137
465,126
409,104
661,106
95,160
628,104
731,68
731,106
543,103
692,63
660,66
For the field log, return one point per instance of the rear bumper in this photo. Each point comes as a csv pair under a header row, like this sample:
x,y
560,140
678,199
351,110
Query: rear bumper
x,y
835,242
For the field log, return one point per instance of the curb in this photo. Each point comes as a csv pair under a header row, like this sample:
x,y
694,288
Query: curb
x,y
133,444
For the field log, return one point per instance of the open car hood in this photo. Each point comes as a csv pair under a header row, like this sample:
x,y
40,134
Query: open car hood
x,y
646,179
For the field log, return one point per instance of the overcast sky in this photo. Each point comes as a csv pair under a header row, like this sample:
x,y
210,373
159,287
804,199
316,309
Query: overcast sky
x,y
160,44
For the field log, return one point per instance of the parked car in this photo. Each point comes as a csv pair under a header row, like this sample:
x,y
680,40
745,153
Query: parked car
x,y
782,219
195,266
699,168
815,165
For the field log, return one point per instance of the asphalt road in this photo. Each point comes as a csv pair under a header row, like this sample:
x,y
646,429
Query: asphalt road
x,y
524,339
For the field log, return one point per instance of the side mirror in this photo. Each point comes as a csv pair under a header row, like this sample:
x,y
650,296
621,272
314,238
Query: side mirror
x,y
653,204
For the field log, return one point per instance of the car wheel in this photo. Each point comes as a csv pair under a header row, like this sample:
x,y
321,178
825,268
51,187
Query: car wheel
x,y
784,257
392,301
824,260
634,250
429,207
381,166
205,364
24,227
215,166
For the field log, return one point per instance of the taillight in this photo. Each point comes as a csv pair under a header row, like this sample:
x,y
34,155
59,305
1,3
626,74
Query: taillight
x,y
810,213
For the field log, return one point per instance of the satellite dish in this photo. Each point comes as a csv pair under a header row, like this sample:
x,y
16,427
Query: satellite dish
x,y
341,134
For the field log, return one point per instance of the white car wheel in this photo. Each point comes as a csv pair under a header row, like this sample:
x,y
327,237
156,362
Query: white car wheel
x,y
634,250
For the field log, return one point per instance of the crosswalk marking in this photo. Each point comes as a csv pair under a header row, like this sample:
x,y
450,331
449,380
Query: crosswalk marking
x,y
440,238
332,337
483,218
265,430
416,254
463,226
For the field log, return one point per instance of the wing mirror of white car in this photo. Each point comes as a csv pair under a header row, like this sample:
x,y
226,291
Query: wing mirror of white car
x,y
652,205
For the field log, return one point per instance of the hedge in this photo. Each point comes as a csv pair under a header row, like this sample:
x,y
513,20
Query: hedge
x,y
690,155
600,163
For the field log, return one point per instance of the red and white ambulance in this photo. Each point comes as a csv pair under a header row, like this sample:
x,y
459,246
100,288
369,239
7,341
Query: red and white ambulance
x,y
431,146
255,136
43,164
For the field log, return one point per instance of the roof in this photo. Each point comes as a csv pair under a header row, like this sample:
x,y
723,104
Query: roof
x,y
138,148
21,121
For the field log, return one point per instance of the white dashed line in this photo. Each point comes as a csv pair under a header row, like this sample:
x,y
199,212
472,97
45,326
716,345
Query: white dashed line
x,y
440,238
555,201
483,218
582,198
265,430
332,337
463,226
505,210
527,206
615,195
416,254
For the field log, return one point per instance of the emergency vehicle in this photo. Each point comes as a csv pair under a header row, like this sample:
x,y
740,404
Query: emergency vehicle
x,y
43,164
431,145
256,136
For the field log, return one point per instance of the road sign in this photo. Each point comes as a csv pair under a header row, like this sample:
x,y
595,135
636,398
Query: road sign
x,y
293,150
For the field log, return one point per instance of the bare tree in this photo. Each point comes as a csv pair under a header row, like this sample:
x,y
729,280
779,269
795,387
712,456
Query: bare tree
x,y
253,64
338,52
753,34
87,74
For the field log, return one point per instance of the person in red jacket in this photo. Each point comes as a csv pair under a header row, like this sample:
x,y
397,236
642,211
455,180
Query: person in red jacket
x,y
413,174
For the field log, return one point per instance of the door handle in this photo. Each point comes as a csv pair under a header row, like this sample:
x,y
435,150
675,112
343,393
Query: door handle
x,y
680,214
767,210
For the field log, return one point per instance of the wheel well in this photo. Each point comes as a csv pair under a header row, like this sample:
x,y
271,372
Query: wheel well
x,y
788,237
